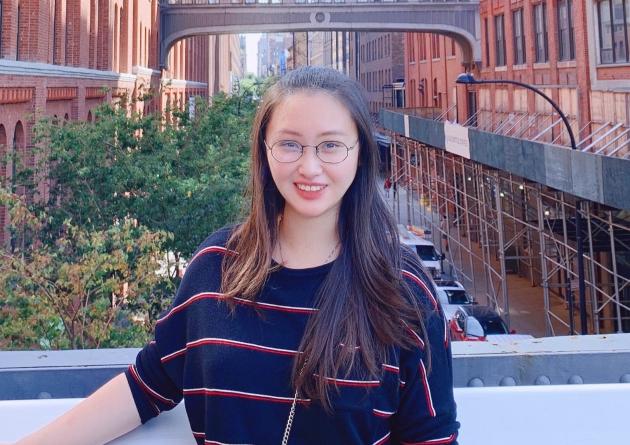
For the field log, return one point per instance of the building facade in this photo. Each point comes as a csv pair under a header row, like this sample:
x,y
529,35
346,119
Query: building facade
x,y
576,52
380,67
432,64
63,58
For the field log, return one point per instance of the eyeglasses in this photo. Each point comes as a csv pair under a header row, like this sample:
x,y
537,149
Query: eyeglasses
x,y
330,152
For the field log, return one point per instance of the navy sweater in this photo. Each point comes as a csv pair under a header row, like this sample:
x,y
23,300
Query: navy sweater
x,y
233,372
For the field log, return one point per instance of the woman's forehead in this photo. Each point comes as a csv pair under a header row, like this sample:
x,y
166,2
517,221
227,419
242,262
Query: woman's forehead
x,y
311,114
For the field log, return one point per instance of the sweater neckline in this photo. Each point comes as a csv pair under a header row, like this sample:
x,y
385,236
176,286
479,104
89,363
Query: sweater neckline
x,y
308,271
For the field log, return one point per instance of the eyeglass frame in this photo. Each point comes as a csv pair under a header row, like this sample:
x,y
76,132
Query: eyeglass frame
x,y
316,147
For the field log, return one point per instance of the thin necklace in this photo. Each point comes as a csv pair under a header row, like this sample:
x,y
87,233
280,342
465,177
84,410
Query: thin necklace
x,y
328,258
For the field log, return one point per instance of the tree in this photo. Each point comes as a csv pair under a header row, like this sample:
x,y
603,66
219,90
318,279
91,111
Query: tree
x,y
180,175
88,289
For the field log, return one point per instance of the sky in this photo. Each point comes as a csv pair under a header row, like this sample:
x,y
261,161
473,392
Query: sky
x,y
251,45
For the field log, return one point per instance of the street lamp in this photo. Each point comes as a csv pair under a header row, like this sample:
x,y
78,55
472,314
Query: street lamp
x,y
469,79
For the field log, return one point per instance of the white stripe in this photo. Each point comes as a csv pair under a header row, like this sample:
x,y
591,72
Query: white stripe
x,y
223,443
276,306
437,440
151,390
252,394
424,286
388,413
254,345
353,381
188,301
414,333
391,367
382,438
204,250
427,387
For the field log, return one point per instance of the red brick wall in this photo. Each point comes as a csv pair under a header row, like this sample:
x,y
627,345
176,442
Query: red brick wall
x,y
423,68
79,33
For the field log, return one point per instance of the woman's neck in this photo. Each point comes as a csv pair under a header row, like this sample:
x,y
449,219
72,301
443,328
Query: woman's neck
x,y
307,242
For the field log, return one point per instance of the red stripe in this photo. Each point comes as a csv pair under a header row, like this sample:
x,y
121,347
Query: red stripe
x,y
148,391
422,284
191,300
446,440
239,395
391,368
381,414
427,390
226,342
212,249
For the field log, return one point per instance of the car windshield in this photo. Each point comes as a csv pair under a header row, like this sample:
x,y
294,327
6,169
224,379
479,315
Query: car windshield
x,y
457,296
427,253
493,326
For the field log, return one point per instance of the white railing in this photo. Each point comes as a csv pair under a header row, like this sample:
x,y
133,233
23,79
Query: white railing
x,y
520,415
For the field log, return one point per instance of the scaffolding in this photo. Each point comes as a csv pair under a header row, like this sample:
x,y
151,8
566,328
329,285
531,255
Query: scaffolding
x,y
493,225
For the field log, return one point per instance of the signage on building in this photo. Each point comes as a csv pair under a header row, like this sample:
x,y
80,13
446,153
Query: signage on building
x,y
456,139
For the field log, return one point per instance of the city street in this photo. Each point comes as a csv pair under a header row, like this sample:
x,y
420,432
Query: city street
x,y
526,303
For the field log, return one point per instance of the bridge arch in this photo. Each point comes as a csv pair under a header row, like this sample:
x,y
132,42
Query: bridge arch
x,y
456,19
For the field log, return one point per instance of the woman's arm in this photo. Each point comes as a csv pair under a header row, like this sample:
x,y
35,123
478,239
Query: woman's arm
x,y
105,415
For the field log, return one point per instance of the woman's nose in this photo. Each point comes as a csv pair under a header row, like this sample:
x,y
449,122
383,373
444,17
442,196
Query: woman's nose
x,y
310,164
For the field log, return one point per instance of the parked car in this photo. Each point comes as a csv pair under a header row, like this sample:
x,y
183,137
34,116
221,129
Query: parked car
x,y
451,294
425,249
481,323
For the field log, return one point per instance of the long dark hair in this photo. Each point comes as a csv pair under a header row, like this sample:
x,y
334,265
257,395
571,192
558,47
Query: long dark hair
x,y
364,305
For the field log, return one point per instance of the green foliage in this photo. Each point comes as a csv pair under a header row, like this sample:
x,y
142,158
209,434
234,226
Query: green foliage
x,y
89,289
185,176
95,256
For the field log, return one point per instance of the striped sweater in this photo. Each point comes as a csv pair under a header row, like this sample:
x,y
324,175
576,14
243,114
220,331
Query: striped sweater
x,y
233,371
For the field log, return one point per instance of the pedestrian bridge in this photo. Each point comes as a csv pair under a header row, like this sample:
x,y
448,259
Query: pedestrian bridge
x,y
185,18
560,390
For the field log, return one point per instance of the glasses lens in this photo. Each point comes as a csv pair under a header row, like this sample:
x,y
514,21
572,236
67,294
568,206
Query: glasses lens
x,y
286,151
332,151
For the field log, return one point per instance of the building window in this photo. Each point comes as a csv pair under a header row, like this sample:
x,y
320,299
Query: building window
x,y
499,43
487,35
614,30
519,37
540,32
436,95
1,28
412,47
422,46
435,46
453,47
566,46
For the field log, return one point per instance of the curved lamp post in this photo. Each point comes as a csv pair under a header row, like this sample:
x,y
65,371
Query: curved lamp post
x,y
469,79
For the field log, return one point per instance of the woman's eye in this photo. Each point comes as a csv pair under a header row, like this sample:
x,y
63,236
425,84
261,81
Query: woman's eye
x,y
331,146
289,145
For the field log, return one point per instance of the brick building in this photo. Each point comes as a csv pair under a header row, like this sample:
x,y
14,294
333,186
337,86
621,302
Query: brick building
x,y
576,52
63,58
380,64
432,63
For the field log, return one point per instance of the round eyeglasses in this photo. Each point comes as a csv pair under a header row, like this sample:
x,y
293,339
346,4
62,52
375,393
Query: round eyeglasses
x,y
330,152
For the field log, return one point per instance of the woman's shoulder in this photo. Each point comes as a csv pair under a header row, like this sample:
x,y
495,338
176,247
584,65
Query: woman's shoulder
x,y
211,250
415,276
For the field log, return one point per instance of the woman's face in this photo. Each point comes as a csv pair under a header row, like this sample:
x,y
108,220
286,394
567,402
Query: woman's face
x,y
312,188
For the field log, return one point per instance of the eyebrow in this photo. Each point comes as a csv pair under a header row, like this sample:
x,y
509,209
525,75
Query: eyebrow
x,y
289,132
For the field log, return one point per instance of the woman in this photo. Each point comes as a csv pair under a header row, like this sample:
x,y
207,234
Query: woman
x,y
305,324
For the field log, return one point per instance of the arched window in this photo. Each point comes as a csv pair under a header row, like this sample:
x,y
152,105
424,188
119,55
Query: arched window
x,y
19,147
89,116
116,37
20,20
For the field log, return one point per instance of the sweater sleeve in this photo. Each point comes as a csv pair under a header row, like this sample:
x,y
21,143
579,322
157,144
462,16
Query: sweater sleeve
x,y
156,378
427,412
